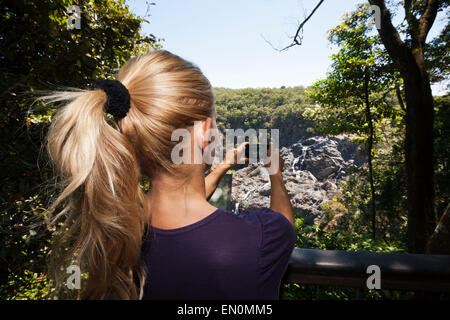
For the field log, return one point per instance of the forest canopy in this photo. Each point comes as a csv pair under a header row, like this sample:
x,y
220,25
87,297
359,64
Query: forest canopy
x,y
364,95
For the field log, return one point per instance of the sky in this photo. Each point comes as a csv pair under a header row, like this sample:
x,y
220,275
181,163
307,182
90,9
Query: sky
x,y
226,38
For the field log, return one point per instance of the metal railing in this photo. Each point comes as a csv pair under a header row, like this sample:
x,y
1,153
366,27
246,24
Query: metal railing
x,y
398,271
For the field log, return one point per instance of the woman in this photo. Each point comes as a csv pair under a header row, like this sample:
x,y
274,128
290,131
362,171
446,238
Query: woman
x,y
169,243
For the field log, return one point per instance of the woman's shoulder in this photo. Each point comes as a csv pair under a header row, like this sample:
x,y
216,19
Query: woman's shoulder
x,y
268,219
275,227
250,215
264,215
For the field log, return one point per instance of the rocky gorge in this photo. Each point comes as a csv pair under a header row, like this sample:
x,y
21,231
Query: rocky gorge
x,y
313,171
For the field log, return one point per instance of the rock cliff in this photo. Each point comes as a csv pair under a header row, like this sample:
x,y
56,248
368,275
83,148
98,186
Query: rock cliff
x,y
313,171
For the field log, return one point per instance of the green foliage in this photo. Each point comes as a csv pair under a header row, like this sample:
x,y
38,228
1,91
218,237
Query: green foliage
x,y
313,236
263,109
356,97
438,56
340,109
361,61
442,152
29,286
39,52
390,200
25,243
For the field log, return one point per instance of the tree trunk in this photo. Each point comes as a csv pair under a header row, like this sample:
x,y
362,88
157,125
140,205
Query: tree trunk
x,y
419,158
409,58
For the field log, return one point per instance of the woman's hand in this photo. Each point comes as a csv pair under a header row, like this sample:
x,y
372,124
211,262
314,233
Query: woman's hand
x,y
230,161
279,198
268,162
231,157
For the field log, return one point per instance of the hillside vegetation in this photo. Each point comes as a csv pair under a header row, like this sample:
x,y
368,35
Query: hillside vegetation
x,y
265,108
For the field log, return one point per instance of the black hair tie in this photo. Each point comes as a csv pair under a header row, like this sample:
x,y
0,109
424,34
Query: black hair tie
x,y
117,97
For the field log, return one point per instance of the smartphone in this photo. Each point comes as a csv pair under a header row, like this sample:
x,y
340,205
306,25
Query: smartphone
x,y
259,146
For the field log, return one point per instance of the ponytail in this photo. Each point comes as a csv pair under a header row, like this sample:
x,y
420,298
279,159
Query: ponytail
x,y
104,213
99,160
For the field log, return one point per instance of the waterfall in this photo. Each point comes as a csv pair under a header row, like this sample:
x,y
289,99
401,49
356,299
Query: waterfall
x,y
294,163
247,194
236,208
236,205
304,150
338,174
265,173
300,159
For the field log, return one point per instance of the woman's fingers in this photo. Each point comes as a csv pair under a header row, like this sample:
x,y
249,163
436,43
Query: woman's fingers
x,y
240,151
237,155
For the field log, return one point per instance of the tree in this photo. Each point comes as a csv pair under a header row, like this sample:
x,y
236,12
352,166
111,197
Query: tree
x,y
39,52
351,98
409,57
439,243
264,108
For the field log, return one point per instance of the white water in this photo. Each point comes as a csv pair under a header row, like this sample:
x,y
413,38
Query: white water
x,y
339,173
247,194
304,150
300,159
236,207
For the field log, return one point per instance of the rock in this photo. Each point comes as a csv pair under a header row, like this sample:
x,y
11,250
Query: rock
x,y
329,186
313,171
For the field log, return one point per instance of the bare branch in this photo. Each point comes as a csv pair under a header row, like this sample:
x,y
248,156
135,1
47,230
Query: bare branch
x,y
297,39
270,44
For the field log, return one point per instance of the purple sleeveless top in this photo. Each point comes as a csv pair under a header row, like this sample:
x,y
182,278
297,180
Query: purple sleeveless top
x,y
223,256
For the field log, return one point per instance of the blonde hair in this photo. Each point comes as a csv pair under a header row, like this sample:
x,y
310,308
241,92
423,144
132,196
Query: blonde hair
x,y
100,162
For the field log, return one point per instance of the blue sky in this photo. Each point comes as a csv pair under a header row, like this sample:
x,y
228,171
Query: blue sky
x,y
224,38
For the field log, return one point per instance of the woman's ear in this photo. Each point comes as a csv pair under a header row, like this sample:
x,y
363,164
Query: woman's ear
x,y
206,127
